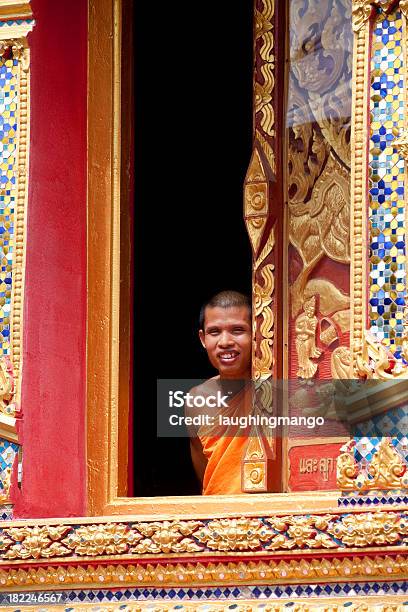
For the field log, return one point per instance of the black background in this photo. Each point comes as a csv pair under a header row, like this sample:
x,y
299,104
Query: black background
x,y
193,135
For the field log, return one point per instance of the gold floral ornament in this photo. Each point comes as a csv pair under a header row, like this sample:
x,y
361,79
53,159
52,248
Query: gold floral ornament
x,y
167,537
234,534
33,542
301,532
371,529
110,539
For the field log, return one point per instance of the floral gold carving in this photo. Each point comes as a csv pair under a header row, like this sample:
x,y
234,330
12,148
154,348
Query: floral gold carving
x,y
370,528
301,532
107,539
112,540
234,534
386,470
167,536
305,329
33,542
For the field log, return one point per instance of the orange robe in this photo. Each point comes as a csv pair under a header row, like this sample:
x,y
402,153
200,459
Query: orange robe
x,y
224,446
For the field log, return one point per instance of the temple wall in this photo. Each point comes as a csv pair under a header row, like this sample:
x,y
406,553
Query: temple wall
x,y
54,373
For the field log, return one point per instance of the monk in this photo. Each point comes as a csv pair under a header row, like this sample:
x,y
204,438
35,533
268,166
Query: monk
x,y
217,450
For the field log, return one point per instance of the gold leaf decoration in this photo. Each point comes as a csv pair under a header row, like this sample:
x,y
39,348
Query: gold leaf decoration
x,y
301,532
234,534
101,539
370,528
35,542
167,536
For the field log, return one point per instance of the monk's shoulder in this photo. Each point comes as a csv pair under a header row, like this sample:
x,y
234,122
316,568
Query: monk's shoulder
x,y
205,389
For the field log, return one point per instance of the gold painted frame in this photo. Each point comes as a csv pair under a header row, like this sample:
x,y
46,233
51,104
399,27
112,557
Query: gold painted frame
x,y
106,453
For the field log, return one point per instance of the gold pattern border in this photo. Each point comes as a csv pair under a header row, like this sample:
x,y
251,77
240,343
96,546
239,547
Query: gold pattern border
x,y
190,574
361,70
22,162
290,534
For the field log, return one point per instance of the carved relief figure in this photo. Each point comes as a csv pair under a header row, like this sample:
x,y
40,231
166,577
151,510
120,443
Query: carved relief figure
x,y
306,325
319,118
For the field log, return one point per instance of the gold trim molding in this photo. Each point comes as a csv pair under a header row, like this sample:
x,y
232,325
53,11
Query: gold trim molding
x,y
358,273
222,573
291,534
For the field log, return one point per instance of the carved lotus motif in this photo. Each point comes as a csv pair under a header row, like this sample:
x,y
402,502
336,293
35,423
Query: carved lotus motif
x,y
234,534
301,532
167,536
36,542
370,529
95,540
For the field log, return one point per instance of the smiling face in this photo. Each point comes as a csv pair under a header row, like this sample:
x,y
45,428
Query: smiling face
x,y
227,339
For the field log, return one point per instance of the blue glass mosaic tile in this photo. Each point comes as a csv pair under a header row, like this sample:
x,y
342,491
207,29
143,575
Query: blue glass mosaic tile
x,y
386,184
8,190
177,597
8,452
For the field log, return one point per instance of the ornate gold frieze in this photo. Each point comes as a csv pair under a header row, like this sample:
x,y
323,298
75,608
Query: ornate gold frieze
x,y
385,471
200,574
361,530
234,534
255,535
166,537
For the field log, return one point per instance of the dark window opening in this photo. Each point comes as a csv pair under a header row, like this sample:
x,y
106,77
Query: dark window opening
x,y
193,141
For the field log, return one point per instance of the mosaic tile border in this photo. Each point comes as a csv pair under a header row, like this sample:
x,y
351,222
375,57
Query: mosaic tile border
x,y
373,500
386,191
6,512
259,592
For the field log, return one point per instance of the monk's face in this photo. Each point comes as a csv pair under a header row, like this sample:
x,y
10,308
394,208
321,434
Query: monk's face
x,y
227,339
